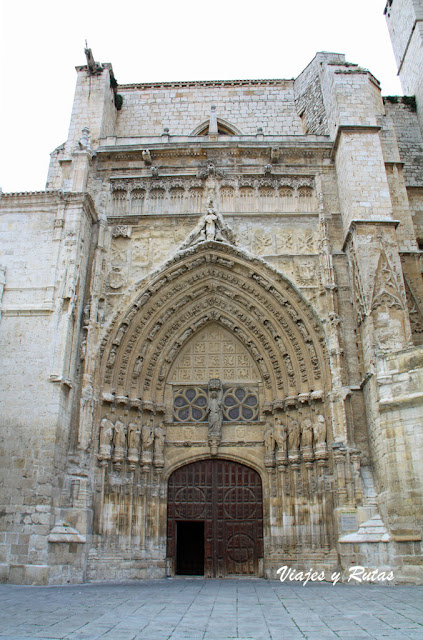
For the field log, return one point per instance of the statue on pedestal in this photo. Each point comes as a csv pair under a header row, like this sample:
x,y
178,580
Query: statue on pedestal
x,y
106,436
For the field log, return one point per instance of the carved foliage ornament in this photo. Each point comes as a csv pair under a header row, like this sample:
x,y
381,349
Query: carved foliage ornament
x,y
120,187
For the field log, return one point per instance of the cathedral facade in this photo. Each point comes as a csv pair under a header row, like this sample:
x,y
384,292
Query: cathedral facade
x,y
212,329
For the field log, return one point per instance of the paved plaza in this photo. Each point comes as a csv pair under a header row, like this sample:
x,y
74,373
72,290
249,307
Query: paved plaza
x,y
198,609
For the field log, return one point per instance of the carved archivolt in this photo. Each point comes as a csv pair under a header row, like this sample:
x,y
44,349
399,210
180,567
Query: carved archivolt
x,y
215,284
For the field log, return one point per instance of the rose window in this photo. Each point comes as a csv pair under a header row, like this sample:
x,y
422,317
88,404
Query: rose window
x,y
240,403
190,405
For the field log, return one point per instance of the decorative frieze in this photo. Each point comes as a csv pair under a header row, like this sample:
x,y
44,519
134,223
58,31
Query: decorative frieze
x,y
138,196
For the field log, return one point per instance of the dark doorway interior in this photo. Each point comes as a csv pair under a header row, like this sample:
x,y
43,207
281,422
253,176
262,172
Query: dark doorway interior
x,y
190,548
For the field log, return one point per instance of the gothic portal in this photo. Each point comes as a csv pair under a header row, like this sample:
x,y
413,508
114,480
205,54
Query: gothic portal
x,y
215,519
210,344
211,329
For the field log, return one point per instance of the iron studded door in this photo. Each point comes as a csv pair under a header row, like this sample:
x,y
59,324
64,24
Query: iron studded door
x,y
227,497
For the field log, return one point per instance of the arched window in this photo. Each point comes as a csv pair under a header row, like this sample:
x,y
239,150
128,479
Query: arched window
x,y
157,199
137,201
120,202
267,199
223,129
247,197
286,199
306,199
195,198
227,195
176,196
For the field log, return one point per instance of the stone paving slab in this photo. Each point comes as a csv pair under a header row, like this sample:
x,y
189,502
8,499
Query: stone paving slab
x,y
198,609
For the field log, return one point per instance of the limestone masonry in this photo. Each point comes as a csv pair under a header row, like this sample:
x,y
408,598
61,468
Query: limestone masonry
x,y
211,329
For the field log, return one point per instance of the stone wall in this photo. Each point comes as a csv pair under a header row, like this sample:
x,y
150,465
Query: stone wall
x,y
93,106
409,139
400,17
39,331
405,23
309,97
400,384
182,107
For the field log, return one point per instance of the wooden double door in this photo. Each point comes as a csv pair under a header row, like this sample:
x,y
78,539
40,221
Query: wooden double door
x,y
215,519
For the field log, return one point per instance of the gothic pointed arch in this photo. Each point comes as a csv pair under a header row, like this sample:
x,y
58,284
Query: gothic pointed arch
x,y
387,290
223,128
215,285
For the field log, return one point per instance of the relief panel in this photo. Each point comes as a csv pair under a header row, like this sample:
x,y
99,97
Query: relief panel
x,y
214,353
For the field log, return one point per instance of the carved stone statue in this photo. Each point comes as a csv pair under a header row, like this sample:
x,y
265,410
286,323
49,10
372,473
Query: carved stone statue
x,y
147,436
215,415
306,434
185,335
86,404
269,447
269,441
119,436
134,435
320,431
146,156
159,439
214,411
83,348
84,143
106,436
293,434
119,442
147,439
281,434
159,443
112,357
86,314
119,336
137,367
210,221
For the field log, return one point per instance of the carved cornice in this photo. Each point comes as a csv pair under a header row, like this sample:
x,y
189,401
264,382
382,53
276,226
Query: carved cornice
x,y
197,148
27,199
130,183
207,83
